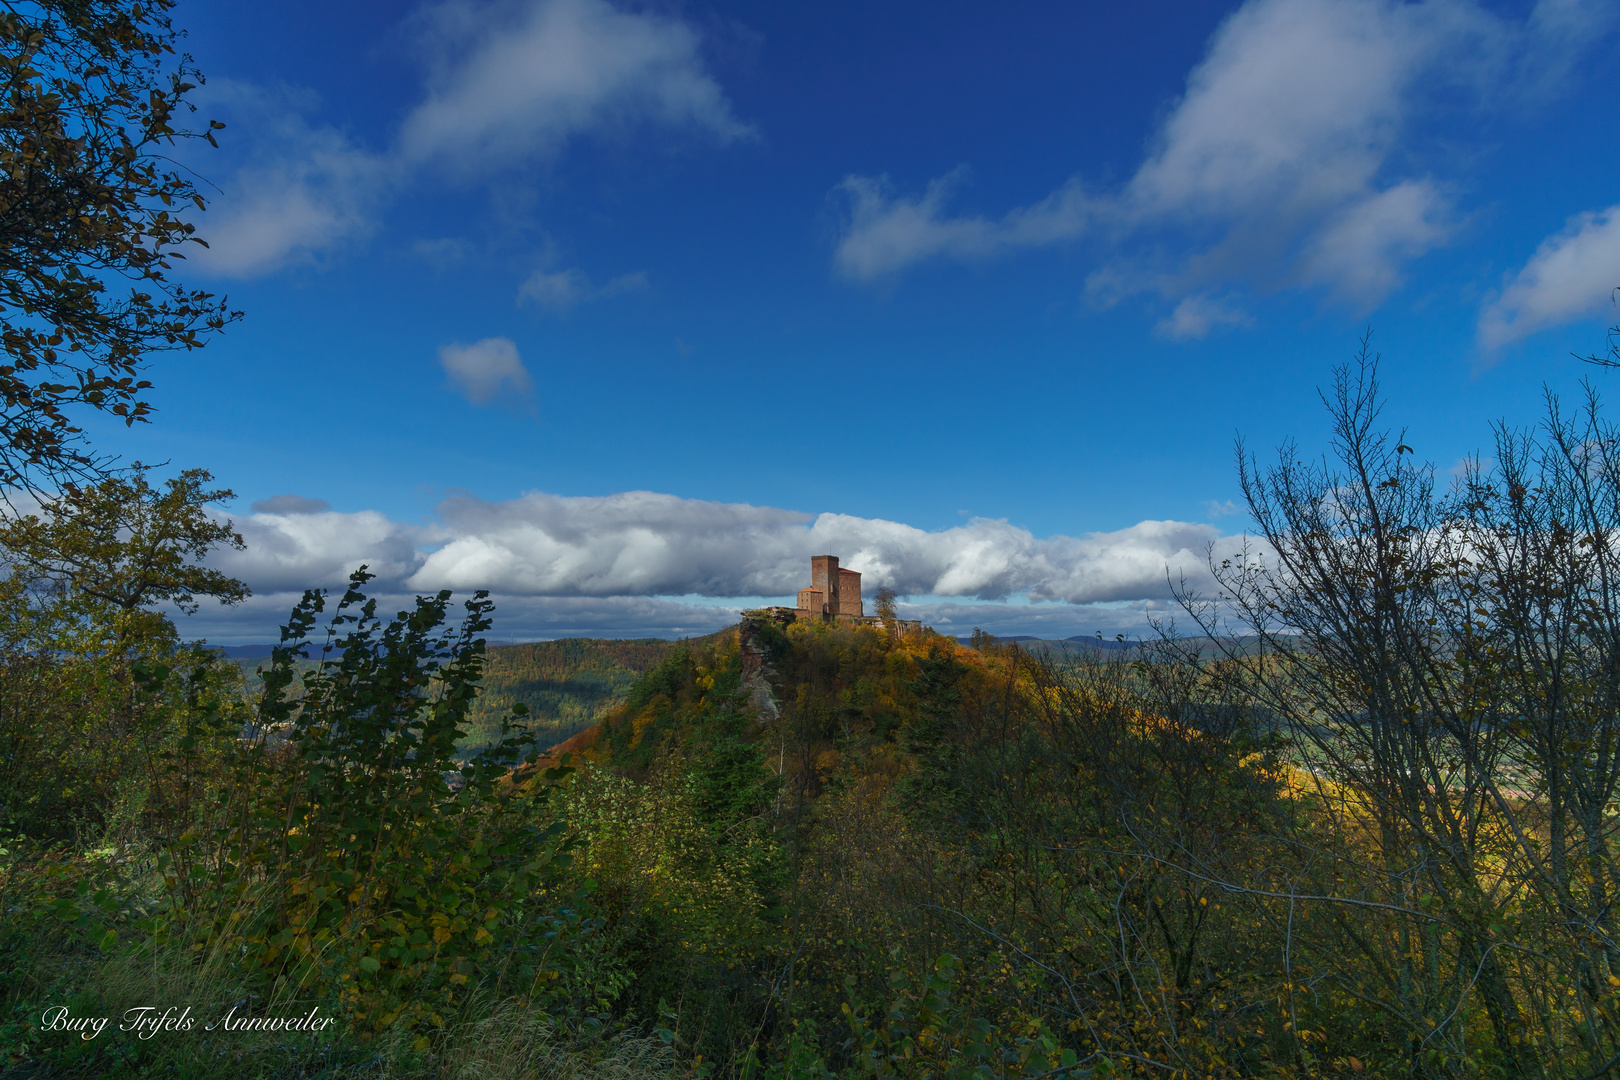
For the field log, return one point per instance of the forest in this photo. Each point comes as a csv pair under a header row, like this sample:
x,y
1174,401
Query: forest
x,y
1350,813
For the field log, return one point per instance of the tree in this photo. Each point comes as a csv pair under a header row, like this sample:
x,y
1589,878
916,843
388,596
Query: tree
x,y
1358,612
407,875
1613,359
87,704
884,601
91,93
1447,668
126,545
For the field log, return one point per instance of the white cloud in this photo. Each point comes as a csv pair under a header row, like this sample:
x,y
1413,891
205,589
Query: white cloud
x,y
1572,275
487,368
298,190
1296,106
886,233
297,549
1196,316
524,85
563,290
1359,252
1560,33
635,543
1287,162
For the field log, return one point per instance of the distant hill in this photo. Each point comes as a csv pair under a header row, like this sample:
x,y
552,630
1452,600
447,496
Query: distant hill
x,y
568,684
262,652
245,652
1080,640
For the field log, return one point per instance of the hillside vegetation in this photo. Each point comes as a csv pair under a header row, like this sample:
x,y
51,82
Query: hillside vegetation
x,y
931,862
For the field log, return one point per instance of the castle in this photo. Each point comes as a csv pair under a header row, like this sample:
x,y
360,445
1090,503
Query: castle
x,y
834,595
833,591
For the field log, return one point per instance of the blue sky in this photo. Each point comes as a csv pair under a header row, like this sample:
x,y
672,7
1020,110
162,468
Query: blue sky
x,y
623,311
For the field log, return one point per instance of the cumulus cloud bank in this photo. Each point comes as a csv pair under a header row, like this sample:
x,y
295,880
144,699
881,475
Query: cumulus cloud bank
x,y
595,560
291,548
646,544
1280,167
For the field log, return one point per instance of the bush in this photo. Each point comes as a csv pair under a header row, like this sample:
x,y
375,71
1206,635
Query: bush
x,y
351,853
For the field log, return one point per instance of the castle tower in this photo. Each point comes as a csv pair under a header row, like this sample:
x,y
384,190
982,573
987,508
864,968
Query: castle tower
x,y
824,577
833,591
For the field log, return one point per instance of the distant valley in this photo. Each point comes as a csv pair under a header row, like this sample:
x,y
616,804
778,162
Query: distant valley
x,y
567,685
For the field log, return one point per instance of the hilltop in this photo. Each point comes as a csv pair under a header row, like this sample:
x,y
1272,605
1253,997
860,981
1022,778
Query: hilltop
x,y
788,820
